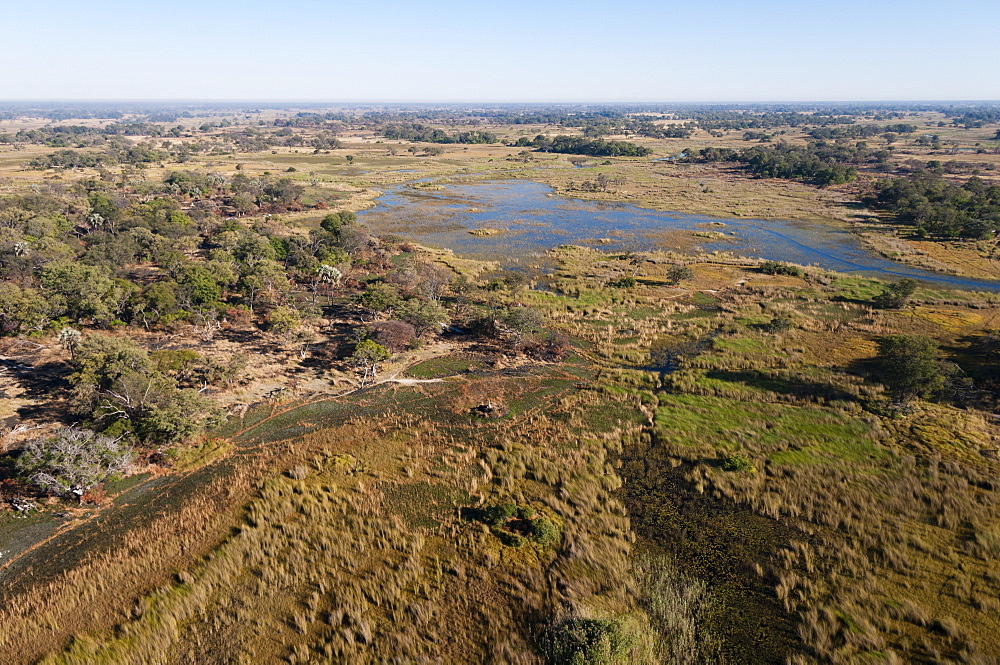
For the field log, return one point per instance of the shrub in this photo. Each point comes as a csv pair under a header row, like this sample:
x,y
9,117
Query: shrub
x,y
624,283
777,268
580,641
509,539
543,531
396,336
778,324
500,513
678,274
738,462
909,365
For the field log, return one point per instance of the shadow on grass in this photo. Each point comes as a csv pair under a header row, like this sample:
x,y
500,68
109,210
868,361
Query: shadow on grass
x,y
792,386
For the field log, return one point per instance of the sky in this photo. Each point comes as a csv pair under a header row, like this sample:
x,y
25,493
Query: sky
x,y
501,51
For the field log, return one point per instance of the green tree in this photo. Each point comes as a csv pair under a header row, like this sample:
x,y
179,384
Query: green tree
x,y
335,221
423,315
521,321
87,292
100,360
367,355
201,286
909,366
677,274
22,310
283,320
380,298
896,295
180,415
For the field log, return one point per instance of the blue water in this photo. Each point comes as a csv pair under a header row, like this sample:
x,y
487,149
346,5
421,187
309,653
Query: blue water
x,y
537,220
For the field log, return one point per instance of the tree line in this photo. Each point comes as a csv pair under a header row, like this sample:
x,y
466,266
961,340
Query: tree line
x,y
575,145
423,133
937,207
820,163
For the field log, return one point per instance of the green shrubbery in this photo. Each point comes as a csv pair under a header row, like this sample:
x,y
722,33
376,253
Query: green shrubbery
x,y
508,518
778,268
578,641
738,462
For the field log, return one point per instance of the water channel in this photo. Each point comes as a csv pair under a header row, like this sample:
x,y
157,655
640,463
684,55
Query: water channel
x,y
533,220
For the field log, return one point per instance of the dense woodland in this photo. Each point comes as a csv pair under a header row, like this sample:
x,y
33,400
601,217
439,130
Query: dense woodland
x,y
820,163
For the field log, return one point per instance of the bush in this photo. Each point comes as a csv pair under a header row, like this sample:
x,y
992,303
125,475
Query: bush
x,y
738,462
778,324
509,539
72,460
624,283
498,514
777,268
396,336
543,531
577,641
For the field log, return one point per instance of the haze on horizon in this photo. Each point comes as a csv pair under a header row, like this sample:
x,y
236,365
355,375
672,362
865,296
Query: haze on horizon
x,y
518,51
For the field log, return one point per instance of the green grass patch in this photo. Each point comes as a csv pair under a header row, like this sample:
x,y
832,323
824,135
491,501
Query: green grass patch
x,y
784,433
437,368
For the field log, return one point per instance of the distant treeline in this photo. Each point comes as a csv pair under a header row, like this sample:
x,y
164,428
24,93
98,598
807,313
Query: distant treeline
x,y
707,116
937,207
818,162
575,145
976,117
418,132
859,131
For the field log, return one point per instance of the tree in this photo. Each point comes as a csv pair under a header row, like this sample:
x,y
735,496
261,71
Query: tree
x,y
423,315
329,274
181,414
283,320
201,286
118,384
393,335
677,274
367,355
100,360
72,460
335,221
88,292
380,298
22,310
521,321
896,295
423,278
69,339
909,365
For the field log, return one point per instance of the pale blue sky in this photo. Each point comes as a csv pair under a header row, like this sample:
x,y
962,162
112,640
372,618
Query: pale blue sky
x,y
510,50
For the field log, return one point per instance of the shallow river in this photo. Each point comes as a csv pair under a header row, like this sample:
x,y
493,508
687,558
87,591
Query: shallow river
x,y
535,221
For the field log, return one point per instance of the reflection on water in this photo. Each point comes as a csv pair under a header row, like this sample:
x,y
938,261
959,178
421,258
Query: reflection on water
x,y
536,220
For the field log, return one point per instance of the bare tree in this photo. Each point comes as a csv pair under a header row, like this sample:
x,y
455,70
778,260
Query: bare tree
x,y
72,460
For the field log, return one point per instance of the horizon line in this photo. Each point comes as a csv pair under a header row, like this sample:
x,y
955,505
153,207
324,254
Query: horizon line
x,y
206,100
